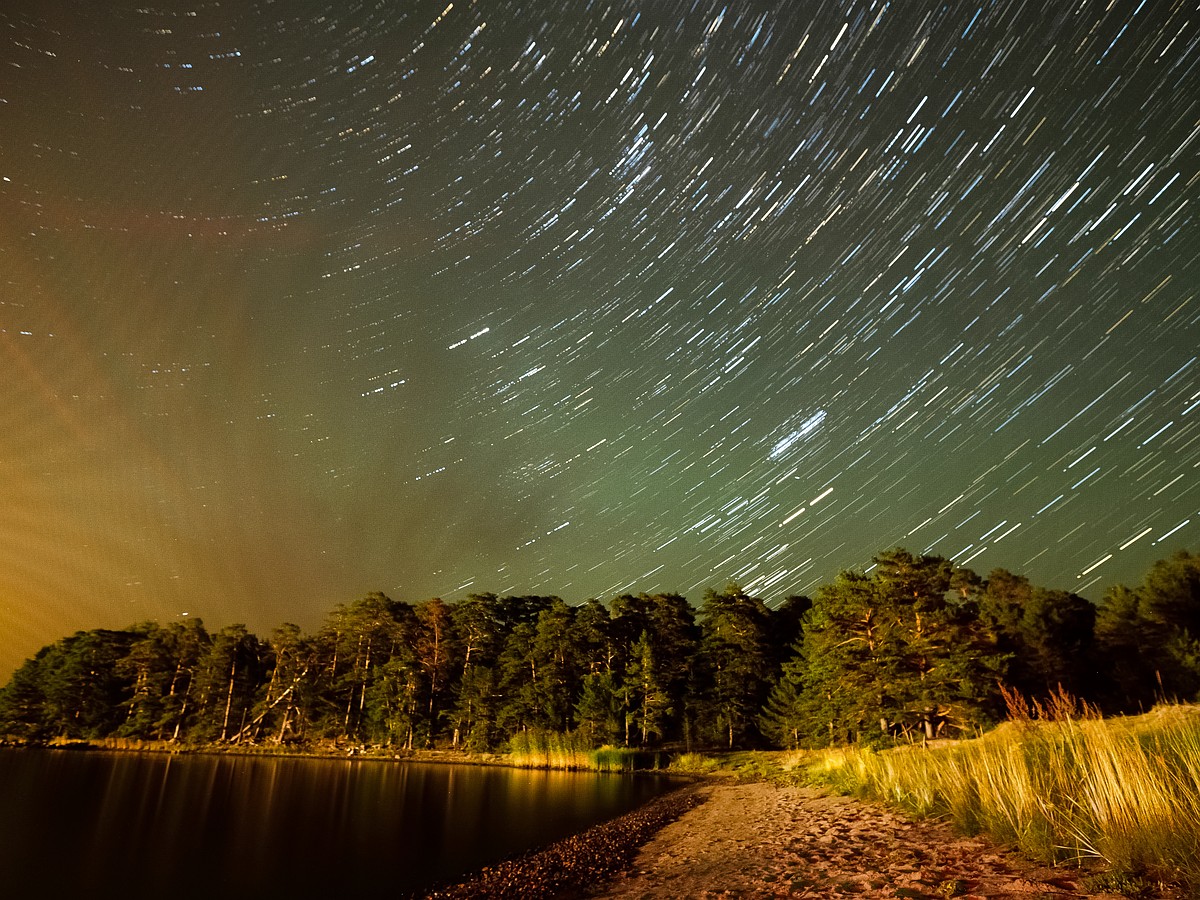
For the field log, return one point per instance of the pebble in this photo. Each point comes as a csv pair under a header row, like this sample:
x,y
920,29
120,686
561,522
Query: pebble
x,y
570,867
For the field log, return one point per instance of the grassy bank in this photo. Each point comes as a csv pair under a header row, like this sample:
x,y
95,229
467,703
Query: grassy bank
x,y
778,766
1124,791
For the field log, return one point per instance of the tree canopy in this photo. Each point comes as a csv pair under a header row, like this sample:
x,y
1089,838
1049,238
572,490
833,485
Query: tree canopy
x,y
911,648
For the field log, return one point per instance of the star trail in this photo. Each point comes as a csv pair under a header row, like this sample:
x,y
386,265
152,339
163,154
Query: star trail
x,y
302,300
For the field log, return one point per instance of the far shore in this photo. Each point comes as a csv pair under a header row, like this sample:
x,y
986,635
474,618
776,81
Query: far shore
x,y
444,756
308,751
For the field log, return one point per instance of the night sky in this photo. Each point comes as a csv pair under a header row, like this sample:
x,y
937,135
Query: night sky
x,y
303,300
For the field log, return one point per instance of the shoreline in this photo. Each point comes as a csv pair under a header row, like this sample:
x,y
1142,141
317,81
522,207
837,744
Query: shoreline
x,y
577,865
767,840
718,834
564,865
720,838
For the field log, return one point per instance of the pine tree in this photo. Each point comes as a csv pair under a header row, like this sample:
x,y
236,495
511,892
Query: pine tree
x,y
648,704
598,712
556,664
395,695
1149,636
284,703
666,625
148,665
846,664
784,718
359,637
23,713
948,670
187,643
592,638
897,652
739,662
480,633
436,651
228,677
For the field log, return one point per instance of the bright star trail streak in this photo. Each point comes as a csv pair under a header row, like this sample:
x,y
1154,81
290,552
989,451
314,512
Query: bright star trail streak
x,y
303,300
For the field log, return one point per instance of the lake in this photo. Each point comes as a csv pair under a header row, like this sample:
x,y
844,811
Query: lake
x,y
97,824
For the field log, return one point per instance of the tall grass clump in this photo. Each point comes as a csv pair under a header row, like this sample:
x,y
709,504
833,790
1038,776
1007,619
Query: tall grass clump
x,y
786,767
694,764
1059,782
536,749
613,759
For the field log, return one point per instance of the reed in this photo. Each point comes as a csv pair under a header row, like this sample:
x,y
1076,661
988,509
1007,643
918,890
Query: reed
x,y
535,749
1063,788
613,759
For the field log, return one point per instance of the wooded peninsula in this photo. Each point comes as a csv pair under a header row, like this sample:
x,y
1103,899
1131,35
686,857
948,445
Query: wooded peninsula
x,y
915,647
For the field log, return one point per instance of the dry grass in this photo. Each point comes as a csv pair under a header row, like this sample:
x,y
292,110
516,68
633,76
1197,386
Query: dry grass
x,y
1062,785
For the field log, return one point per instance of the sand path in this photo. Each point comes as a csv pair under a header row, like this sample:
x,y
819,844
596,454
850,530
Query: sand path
x,y
760,840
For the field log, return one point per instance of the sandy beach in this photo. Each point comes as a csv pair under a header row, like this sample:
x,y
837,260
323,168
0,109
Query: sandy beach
x,y
718,839
761,840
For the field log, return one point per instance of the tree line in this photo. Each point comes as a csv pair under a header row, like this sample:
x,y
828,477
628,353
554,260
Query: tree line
x,y
913,647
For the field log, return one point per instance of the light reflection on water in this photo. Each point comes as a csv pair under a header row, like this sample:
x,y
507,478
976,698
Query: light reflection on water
x,y
151,825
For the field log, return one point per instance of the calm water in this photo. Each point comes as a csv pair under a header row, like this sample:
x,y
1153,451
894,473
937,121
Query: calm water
x,y
90,824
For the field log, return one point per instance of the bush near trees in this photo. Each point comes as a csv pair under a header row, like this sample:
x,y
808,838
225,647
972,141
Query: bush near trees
x,y
914,647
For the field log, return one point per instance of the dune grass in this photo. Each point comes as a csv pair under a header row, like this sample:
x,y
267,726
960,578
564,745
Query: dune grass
x,y
1066,788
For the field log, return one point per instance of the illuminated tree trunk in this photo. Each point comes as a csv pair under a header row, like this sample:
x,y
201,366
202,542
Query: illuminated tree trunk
x,y
228,699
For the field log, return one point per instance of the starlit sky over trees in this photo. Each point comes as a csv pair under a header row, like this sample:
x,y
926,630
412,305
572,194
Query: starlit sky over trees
x,y
300,300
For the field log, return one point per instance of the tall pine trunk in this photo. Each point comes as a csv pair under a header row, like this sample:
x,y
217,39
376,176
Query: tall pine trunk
x,y
228,699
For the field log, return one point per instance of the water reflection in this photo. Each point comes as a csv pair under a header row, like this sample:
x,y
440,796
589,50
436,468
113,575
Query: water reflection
x,y
133,825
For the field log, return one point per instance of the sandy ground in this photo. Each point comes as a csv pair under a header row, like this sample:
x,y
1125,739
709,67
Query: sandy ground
x,y
760,840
